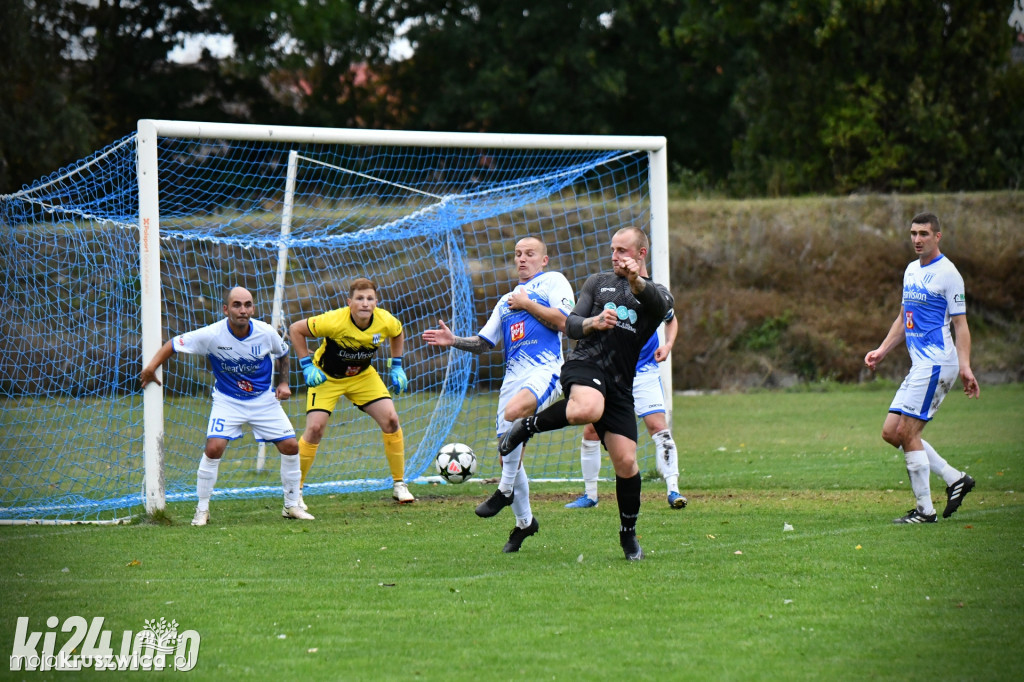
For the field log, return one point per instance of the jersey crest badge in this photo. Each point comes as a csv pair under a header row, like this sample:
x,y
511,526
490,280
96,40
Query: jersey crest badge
x,y
517,331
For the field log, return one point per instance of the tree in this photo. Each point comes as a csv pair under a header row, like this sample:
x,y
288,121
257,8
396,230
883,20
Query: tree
x,y
43,125
322,60
879,96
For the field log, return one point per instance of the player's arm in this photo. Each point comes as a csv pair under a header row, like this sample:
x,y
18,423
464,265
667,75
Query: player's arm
x,y
578,324
963,352
148,372
897,334
284,389
654,298
671,329
552,318
443,336
399,381
298,333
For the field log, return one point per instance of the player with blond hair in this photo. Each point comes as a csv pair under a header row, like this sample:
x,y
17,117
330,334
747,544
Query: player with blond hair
x,y
340,367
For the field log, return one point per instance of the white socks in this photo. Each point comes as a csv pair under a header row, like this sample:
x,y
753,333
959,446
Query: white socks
x,y
290,476
917,469
206,478
521,502
940,466
590,462
510,469
667,459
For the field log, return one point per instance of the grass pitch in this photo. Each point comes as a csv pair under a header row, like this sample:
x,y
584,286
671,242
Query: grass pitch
x,y
374,591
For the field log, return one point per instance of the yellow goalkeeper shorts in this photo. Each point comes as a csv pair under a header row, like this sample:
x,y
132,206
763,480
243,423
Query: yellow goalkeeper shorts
x,y
361,390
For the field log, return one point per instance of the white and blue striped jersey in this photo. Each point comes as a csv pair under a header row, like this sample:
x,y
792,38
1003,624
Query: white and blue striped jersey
x,y
932,294
242,367
647,363
526,342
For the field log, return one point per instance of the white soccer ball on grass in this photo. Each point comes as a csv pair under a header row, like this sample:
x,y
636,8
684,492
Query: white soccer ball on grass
x,y
456,462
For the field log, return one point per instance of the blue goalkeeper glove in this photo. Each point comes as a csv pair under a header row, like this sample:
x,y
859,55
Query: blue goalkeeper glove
x,y
312,374
399,382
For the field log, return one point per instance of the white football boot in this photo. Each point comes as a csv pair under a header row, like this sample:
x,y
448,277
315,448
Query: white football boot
x,y
402,494
297,512
201,518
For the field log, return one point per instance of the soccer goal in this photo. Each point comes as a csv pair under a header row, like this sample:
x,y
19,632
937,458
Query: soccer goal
x,y
107,259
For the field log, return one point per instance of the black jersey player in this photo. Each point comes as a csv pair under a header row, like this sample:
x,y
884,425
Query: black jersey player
x,y
616,312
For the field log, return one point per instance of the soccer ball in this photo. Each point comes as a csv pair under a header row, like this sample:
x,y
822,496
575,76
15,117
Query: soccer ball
x,y
456,462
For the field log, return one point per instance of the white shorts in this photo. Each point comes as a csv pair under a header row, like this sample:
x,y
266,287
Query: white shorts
x,y
263,414
542,381
923,390
648,394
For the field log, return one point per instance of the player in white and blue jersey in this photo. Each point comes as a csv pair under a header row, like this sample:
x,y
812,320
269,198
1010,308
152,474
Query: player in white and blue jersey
x,y
933,297
241,352
528,322
649,405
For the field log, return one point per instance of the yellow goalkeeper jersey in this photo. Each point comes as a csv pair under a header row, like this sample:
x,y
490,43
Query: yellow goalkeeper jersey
x,y
346,350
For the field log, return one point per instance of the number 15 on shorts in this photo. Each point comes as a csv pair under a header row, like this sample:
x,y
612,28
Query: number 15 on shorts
x,y
216,425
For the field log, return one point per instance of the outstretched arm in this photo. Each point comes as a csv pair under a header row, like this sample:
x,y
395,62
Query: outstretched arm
x,y
148,372
895,337
443,336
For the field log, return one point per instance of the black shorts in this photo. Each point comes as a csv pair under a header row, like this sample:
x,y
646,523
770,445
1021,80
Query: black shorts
x,y
618,416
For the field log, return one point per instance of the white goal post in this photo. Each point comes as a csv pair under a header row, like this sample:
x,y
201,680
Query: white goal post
x,y
151,132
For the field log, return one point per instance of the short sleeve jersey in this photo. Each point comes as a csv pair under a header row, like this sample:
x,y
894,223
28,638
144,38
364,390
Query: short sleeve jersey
x,y
242,367
932,294
647,362
617,350
346,350
526,341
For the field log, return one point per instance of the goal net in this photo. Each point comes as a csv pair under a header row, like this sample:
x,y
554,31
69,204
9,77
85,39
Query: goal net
x,y
107,259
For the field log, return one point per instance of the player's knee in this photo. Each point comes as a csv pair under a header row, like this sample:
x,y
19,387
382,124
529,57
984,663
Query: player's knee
x,y
390,424
215,448
288,447
582,414
513,412
903,436
314,432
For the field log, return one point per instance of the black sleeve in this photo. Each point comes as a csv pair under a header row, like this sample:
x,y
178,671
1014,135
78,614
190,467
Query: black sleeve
x,y
655,299
584,303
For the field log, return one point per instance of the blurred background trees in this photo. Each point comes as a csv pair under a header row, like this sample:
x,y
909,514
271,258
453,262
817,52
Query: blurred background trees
x,y
755,98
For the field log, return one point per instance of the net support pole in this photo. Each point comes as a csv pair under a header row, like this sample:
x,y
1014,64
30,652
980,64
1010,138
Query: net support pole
x,y
660,268
149,310
282,267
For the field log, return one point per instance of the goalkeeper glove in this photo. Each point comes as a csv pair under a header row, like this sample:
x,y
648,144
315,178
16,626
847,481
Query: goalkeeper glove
x,y
312,374
399,382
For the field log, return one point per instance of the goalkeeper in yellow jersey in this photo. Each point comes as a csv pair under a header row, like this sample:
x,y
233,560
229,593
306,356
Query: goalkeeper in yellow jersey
x,y
340,366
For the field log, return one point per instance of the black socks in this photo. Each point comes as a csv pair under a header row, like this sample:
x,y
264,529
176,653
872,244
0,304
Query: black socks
x,y
627,490
549,419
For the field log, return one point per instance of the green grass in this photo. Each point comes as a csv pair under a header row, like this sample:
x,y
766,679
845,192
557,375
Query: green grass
x,y
374,591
